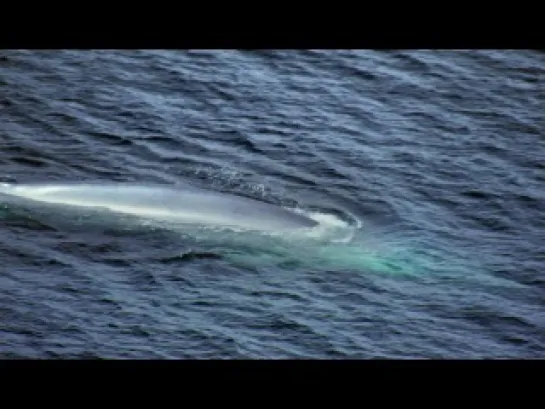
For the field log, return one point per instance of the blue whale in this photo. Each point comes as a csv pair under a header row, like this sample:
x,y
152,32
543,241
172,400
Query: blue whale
x,y
182,204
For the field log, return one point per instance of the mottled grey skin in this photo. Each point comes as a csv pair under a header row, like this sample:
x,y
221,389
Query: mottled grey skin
x,y
184,203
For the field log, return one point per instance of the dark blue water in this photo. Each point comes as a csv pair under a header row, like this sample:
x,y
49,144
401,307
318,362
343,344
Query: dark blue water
x,y
435,160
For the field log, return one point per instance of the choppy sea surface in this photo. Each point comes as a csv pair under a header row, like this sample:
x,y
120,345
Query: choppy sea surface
x,y
424,169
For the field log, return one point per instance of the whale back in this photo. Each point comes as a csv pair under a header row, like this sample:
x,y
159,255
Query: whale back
x,y
184,203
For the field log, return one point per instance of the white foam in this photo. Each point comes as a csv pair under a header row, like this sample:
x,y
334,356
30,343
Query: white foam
x,y
330,227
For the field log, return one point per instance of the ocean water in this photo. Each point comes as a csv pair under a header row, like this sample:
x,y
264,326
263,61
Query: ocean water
x,y
425,170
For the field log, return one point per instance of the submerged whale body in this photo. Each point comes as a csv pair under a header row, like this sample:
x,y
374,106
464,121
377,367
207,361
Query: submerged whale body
x,y
184,204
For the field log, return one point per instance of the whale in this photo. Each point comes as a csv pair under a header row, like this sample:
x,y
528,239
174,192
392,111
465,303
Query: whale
x,y
212,224
180,203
